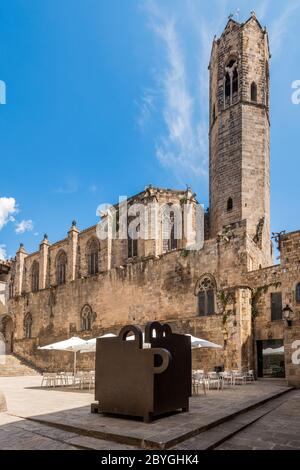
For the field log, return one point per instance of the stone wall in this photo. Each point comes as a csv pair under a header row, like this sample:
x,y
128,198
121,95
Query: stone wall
x,y
3,297
159,288
292,353
159,285
239,134
112,253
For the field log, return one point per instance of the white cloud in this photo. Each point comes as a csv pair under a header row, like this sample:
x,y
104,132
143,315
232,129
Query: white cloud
x,y
146,106
262,9
8,207
24,226
279,27
69,187
181,91
3,252
183,146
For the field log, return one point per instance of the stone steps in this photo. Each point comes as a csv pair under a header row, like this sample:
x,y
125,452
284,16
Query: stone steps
x,y
207,434
11,366
214,437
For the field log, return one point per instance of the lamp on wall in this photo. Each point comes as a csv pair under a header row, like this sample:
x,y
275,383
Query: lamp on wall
x,y
288,315
225,337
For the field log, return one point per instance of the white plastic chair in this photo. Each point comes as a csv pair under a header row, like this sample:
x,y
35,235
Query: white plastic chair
x,y
227,378
250,376
198,379
239,378
50,379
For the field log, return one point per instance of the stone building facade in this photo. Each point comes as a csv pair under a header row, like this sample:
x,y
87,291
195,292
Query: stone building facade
x,y
227,291
6,323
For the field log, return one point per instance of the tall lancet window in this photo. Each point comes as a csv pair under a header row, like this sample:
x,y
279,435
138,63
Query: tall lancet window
x,y
61,267
35,276
298,293
253,92
93,256
28,326
231,82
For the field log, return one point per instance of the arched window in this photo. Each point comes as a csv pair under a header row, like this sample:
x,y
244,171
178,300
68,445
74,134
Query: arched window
x,y
86,318
172,242
35,272
235,81
171,219
61,268
11,288
231,82
93,256
214,113
132,238
227,86
28,326
298,293
205,292
132,247
229,204
254,92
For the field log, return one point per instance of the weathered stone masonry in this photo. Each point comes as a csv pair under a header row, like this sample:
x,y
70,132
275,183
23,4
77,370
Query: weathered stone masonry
x,y
222,292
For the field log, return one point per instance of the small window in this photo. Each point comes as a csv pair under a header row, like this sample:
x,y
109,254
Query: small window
x,y
201,304
132,247
227,86
86,318
235,82
61,268
35,276
231,82
298,293
210,302
169,230
206,296
93,257
214,113
254,92
229,204
11,289
28,326
132,238
173,239
276,306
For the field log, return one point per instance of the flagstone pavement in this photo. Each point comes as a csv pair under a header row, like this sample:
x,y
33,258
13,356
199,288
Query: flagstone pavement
x,y
46,419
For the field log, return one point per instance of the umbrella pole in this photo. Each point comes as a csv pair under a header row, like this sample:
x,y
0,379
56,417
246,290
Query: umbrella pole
x,y
75,357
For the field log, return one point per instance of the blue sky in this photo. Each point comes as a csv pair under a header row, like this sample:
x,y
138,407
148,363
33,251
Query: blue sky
x,y
104,97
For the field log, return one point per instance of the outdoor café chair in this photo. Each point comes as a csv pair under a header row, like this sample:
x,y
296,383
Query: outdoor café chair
x,y
214,381
199,381
239,378
250,376
227,378
50,379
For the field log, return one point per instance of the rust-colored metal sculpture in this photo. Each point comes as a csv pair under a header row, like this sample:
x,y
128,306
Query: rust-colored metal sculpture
x,y
146,382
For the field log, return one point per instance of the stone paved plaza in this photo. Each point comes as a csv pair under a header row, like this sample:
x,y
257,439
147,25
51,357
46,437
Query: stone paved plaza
x,y
55,419
279,430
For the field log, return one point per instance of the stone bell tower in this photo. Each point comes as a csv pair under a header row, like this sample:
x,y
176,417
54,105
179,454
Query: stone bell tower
x,y
240,131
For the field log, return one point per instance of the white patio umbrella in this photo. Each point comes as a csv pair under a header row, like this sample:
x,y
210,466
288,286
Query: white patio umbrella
x,y
73,344
90,344
195,342
203,343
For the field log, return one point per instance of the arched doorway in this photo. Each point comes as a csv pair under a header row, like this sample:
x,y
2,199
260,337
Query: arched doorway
x,y
7,330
